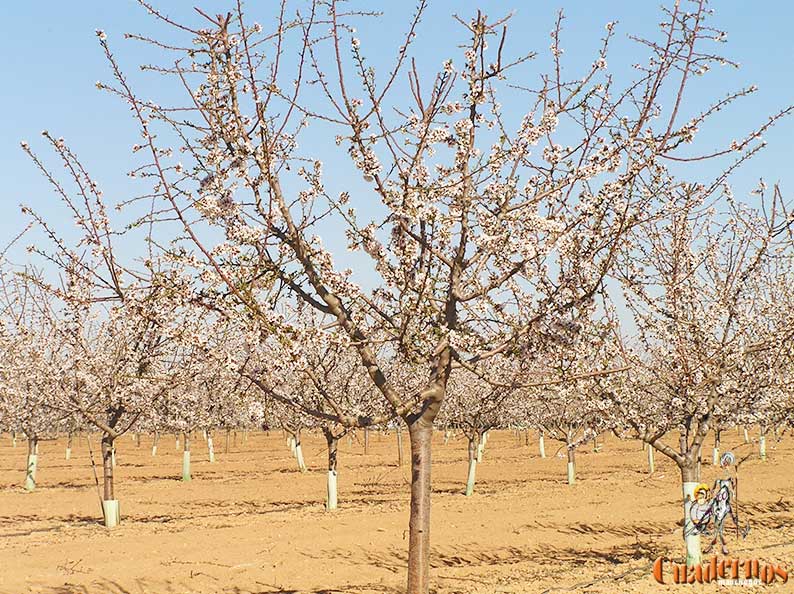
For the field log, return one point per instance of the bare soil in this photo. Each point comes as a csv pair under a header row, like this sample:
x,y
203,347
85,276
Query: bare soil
x,y
251,522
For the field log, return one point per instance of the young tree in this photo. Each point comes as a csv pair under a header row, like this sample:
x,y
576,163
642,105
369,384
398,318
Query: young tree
x,y
585,367
321,388
30,362
476,405
690,287
123,331
470,221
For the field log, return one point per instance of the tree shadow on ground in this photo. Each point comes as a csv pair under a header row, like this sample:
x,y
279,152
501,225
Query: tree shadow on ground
x,y
595,528
68,485
542,555
346,589
106,586
201,511
59,523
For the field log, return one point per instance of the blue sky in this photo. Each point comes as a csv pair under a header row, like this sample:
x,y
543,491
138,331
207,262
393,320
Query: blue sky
x,y
50,61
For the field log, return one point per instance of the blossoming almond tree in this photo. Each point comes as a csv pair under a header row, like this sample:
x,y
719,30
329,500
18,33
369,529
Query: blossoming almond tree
x,y
690,284
465,216
118,370
584,367
765,388
189,405
325,387
225,390
475,405
30,359
124,332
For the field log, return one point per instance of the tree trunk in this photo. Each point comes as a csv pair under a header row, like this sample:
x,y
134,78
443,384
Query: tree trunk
x,y
699,463
291,441
186,459
210,447
399,446
421,433
473,447
746,436
542,445
107,466
481,446
762,445
299,452
110,505
333,443
226,450
154,443
715,454
571,465
33,461
691,537
651,465
366,441
69,446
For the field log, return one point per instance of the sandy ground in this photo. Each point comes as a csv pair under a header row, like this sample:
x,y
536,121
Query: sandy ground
x,y
252,523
